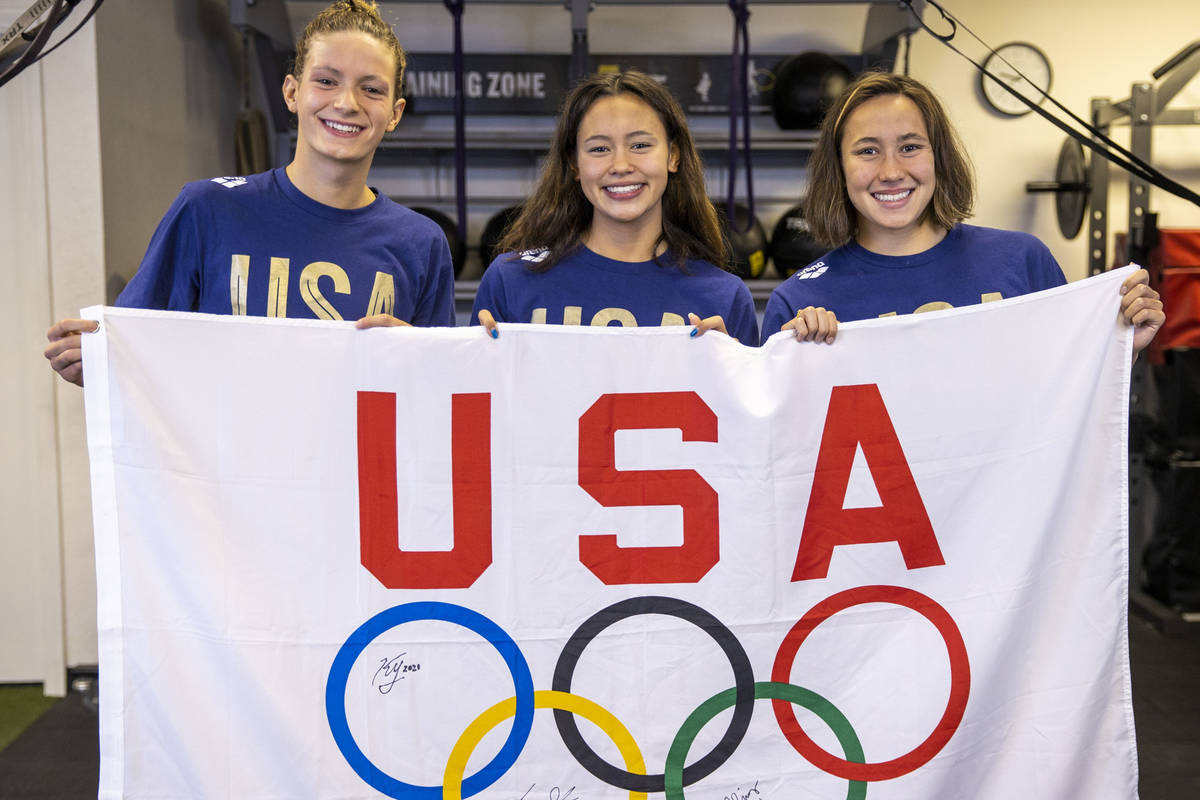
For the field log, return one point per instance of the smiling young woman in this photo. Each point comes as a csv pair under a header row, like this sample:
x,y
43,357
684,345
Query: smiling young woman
x,y
309,240
889,187
619,229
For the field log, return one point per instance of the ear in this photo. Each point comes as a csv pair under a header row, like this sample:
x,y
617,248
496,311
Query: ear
x,y
397,113
673,158
290,85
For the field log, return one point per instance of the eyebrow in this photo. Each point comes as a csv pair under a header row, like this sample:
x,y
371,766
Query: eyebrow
x,y
338,73
907,137
630,135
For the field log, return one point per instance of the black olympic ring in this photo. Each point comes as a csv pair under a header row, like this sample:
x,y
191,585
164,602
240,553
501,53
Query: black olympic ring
x,y
743,677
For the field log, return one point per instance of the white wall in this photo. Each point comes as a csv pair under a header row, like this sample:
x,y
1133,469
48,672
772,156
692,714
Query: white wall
x,y
50,223
145,98
1097,49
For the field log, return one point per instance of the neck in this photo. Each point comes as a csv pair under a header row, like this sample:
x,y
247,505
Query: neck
x,y
887,242
333,184
625,241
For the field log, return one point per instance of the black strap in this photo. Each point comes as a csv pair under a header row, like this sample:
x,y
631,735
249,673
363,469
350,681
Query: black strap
x,y
460,120
1123,158
31,53
739,106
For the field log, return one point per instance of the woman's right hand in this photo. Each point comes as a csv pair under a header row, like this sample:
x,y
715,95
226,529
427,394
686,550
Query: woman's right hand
x,y
813,325
65,351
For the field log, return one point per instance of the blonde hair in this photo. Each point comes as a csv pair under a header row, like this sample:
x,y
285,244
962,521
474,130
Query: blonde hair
x,y
352,15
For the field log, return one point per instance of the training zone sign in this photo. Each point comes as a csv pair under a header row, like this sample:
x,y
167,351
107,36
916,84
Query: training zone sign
x,y
575,563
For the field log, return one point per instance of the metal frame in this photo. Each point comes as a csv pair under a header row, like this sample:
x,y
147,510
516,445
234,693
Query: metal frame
x,y
1142,110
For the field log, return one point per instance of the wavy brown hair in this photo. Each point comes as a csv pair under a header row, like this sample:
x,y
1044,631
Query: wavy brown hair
x,y
831,217
352,15
557,213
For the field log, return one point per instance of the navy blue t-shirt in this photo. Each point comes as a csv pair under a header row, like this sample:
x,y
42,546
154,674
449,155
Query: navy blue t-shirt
x,y
259,246
586,288
970,265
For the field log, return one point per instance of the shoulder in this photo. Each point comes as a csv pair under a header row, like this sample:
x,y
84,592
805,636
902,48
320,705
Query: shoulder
x,y
521,262
977,236
409,221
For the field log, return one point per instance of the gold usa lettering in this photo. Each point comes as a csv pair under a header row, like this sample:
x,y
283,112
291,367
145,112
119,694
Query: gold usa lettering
x,y
573,315
941,305
383,292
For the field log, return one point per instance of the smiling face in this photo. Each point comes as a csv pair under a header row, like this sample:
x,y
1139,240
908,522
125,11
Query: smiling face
x,y
344,100
623,161
888,165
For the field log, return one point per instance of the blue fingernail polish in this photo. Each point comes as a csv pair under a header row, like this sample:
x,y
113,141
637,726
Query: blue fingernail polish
x,y
495,333
694,332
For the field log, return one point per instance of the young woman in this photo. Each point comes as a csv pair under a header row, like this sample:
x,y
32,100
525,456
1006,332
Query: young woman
x,y
619,229
310,239
889,187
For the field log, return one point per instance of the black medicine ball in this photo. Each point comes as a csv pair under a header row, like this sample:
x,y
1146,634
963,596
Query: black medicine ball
x,y
458,248
494,230
805,86
747,239
792,246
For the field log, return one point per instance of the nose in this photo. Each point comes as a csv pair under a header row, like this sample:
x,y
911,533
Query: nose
x,y
891,169
620,162
346,99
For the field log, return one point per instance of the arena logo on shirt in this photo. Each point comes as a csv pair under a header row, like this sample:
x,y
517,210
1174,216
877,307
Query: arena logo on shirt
x,y
230,182
536,256
812,271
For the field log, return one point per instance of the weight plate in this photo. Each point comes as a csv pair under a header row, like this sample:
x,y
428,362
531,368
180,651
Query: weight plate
x,y
1071,199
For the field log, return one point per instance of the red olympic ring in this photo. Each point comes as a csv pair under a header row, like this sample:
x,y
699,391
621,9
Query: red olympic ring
x,y
956,706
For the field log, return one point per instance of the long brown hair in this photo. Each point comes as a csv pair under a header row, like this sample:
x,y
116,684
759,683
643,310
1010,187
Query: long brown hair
x,y
557,213
831,217
352,15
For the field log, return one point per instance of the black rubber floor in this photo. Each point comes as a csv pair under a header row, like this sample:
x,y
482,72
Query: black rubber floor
x,y
58,756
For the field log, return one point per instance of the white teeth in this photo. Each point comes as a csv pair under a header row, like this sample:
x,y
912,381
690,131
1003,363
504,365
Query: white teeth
x,y
891,198
623,189
338,126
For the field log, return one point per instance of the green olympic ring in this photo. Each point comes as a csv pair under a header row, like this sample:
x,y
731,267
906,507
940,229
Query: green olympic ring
x,y
763,690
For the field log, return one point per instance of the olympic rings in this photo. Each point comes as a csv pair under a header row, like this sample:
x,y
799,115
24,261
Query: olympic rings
x,y
824,709
543,698
743,675
960,683
339,674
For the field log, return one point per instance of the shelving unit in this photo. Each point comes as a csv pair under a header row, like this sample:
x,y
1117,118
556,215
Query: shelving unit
x,y
415,164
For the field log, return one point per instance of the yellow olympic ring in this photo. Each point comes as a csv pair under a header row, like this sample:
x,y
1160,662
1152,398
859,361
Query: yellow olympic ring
x,y
456,765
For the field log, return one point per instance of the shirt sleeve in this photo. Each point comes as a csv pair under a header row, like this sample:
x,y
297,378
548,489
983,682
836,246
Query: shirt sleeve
x,y
435,306
743,321
778,312
1045,272
490,294
169,275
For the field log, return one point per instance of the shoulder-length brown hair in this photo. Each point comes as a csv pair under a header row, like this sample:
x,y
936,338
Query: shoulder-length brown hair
x,y
557,213
831,217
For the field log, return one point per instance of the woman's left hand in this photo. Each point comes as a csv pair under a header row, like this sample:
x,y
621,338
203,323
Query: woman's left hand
x,y
1141,308
707,324
381,321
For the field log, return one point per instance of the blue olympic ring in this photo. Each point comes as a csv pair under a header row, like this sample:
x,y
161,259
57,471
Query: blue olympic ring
x,y
339,675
